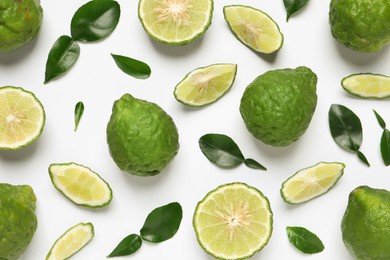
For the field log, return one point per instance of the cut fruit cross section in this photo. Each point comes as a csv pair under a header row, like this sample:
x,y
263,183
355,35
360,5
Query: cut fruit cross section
x,y
367,85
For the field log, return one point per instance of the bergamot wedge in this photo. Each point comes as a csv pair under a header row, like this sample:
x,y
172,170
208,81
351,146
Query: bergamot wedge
x,y
367,85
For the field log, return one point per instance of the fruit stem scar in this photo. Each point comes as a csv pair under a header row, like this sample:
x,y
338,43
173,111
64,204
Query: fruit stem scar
x,y
176,10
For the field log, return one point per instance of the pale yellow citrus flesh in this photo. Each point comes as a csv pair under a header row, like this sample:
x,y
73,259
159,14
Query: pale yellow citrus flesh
x,y
233,222
367,85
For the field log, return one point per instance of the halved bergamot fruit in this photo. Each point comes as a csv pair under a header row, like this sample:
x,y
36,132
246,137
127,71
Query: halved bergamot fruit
x,y
311,182
71,242
80,184
175,21
233,221
22,118
203,86
367,85
254,28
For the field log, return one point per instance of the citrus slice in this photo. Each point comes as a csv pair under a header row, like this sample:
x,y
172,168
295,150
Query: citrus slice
x,y
233,221
311,182
254,28
175,21
72,241
80,185
22,118
203,86
367,85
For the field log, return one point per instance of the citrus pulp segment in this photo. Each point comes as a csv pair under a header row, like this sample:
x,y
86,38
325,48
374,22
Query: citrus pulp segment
x,y
22,118
367,85
203,86
311,182
72,241
175,21
254,28
80,185
233,221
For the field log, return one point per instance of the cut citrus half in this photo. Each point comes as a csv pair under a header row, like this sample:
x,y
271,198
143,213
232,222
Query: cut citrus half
x,y
175,21
22,118
367,85
203,86
80,185
254,28
72,241
311,182
233,221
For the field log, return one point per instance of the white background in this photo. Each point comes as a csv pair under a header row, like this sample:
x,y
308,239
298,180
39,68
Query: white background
x,y
97,82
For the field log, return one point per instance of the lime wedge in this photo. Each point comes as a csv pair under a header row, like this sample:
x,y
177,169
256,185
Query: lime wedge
x,y
367,85
233,221
80,185
22,118
203,86
311,182
72,241
254,28
175,21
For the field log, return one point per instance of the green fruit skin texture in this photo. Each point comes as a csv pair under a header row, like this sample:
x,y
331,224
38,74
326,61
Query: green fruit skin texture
x,y
362,25
277,106
142,137
20,22
18,221
366,224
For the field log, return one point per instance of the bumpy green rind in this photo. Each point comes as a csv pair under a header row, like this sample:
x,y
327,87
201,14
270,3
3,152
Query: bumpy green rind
x,y
142,138
356,94
366,224
18,221
184,42
362,25
20,22
277,106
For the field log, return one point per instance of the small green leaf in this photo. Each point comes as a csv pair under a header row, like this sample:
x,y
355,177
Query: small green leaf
x,y
304,240
385,147
362,158
62,56
129,245
162,223
78,113
221,150
381,122
293,6
254,164
95,20
132,67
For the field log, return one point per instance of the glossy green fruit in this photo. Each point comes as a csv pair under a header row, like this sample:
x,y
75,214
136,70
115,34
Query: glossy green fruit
x,y
277,106
141,136
20,22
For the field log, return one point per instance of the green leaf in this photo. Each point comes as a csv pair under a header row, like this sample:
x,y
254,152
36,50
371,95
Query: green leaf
x,y
78,113
62,56
132,67
95,20
381,122
293,6
254,164
162,223
304,240
221,150
385,147
362,158
129,245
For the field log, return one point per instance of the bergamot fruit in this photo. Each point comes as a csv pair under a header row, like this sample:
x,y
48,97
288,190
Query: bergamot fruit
x,y
18,221
277,106
20,22
361,25
141,136
366,224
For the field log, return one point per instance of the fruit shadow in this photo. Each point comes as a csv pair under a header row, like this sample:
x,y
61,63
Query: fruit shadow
x,y
269,58
18,55
360,58
177,50
20,154
269,151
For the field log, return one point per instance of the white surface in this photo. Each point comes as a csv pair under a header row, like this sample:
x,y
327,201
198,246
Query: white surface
x,y
97,82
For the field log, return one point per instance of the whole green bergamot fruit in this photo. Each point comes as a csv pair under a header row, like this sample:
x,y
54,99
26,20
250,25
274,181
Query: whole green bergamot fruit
x,y
20,22
142,138
18,221
366,224
362,25
277,106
